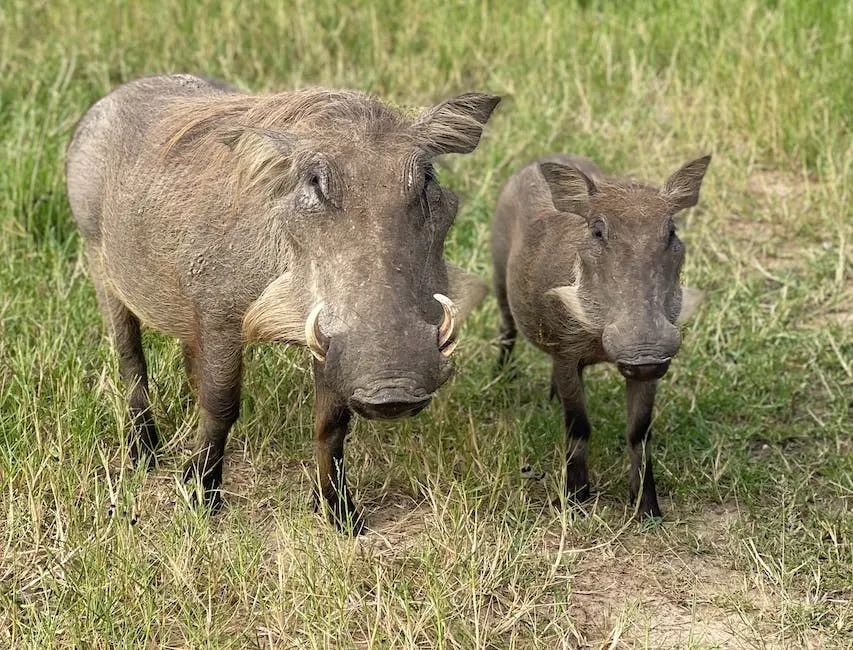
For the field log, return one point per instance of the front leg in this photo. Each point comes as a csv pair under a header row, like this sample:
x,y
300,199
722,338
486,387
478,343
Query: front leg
x,y
567,380
217,368
641,401
331,424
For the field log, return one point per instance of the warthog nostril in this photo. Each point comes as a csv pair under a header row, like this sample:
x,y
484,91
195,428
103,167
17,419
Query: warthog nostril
x,y
647,370
317,342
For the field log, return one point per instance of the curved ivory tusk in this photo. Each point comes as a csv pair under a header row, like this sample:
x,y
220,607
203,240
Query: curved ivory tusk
x,y
447,329
316,340
448,349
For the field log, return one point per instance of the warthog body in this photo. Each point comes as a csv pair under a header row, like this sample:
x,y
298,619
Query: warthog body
x,y
587,267
311,217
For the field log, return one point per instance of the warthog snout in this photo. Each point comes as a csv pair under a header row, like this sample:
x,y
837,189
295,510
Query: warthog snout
x,y
388,364
318,343
642,354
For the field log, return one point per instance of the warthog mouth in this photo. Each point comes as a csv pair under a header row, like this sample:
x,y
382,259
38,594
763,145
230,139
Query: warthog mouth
x,y
389,402
644,368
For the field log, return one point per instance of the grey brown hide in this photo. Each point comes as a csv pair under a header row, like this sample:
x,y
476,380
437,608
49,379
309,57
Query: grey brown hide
x,y
587,268
311,217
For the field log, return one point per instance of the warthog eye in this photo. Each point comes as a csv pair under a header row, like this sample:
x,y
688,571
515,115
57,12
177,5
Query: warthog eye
x,y
672,237
430,192
429,177
313,194
321,186
599,229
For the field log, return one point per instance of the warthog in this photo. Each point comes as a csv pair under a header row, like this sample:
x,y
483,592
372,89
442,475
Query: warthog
x,y
311,217
587,267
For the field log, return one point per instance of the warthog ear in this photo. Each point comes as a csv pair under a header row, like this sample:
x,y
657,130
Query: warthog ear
x,y
455,126
682,188
465,289
570,187
690,301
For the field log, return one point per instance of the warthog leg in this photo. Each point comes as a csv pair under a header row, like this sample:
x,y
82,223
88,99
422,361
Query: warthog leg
x,y
331,423
567,378
127,337
190,367
218,365
641,401
508,331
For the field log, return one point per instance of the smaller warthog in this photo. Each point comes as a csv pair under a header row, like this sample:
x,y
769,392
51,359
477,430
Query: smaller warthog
x,y
587,267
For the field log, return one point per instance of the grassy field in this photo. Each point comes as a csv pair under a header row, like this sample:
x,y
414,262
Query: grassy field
x,y
754,456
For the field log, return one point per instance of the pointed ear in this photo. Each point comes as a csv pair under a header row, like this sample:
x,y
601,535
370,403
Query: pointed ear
x,y
570,187
455,126
465,289
682,188
690,301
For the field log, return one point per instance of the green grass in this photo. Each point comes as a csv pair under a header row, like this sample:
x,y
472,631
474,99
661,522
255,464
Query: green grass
x,y
753,443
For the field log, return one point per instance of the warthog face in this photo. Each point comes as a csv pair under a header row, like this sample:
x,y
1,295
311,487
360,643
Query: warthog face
x,y
364,219
379,263
626,273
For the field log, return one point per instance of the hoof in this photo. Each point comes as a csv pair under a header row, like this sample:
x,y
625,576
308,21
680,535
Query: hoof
x,y
143,442
144,459
579,495
648,508
344,515
575,499
211,490
211,501
352,525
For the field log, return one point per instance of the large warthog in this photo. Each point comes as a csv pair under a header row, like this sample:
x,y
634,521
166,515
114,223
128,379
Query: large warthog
x,y
587,267
311,217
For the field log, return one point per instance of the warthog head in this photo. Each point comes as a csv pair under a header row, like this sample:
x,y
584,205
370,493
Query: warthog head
x,y
626,272
360,218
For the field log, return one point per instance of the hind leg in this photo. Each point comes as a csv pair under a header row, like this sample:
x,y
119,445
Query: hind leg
x,y
127,338
508,331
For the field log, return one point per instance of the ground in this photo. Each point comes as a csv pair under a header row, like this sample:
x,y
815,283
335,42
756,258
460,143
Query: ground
x,y
465,549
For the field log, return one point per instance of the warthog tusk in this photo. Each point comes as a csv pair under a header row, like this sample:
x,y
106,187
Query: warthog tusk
x,y
318,343
447,330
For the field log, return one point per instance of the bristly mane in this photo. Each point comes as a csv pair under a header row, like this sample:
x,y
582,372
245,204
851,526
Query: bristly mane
x,y
628,198
309,110
196,130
